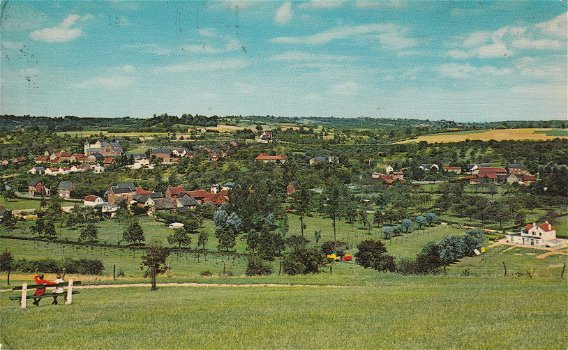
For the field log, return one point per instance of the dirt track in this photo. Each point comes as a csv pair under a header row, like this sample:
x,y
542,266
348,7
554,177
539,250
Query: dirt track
x,y
146,285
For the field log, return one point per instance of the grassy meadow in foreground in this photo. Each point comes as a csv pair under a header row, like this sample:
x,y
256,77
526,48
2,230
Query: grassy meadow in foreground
x,y
400,312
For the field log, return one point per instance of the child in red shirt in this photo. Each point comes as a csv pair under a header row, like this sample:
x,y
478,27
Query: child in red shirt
x,y
40,291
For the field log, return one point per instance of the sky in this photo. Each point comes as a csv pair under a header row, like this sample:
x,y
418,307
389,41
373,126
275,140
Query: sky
x,y
454,60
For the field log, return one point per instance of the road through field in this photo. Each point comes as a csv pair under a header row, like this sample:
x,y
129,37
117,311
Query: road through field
x,y
190,284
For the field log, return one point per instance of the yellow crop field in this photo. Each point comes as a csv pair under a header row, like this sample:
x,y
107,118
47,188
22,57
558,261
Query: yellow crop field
x,y
495,134
226,128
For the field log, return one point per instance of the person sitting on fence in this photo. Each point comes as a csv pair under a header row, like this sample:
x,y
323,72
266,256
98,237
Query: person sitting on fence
x,y
40,290
59,289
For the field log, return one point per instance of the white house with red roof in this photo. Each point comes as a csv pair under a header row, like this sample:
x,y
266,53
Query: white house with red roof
x,y
542,235
92,200
266,158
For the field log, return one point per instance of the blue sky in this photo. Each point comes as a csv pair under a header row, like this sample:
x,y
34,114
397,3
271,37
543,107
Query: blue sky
x,y
458,60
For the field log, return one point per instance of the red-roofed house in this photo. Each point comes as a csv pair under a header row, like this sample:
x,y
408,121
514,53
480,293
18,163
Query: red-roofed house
x,y
491,173
199,195
174,191
527,180
140,190
452,169
92,200
535,235
265,158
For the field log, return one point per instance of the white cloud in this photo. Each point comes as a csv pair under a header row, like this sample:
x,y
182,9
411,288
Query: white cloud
x,y
105,82
62,32
301,56
153,49
14,45
510,40
465,71
538,44
393,4
284,13
228,64
395,40
335,34
232,45
476,38
322,4
541,68
128,68
348,88
555,27
207,32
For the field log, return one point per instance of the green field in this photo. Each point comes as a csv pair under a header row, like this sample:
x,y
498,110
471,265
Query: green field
x,y
553,132
396,312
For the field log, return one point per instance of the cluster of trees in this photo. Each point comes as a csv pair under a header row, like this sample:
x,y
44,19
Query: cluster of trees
x,y
406,224
81,266
434,256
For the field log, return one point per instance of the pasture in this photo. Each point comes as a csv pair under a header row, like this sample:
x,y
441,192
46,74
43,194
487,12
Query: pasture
x,y
395,312
494,134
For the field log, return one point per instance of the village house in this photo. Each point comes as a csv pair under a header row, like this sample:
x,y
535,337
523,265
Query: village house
x,y
162,204
41,159
322,160
108,161
429,167
198,195
64,189
92,200
120,192
52,171
452,169
139,161
38,188
104,148
97,168
174,191
543,235
515,169
186,202
142,200
265,158
37,170
389,179
266,137
95,158
163,154
490,174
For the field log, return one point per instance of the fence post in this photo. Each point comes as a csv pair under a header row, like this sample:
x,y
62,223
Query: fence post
x,y
23,299
505,267
69,298
563,269
114,272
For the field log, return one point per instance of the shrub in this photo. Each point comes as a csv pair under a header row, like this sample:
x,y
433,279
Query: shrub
x,y
406,266
82,266
303,261
206,273
372,254
257,266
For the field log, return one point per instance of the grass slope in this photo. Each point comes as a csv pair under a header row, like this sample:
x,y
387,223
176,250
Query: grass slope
x,y
406,313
